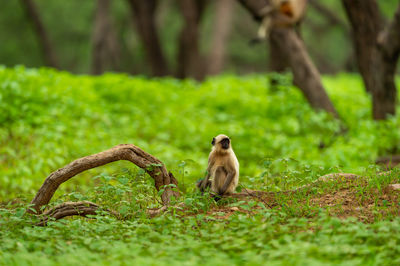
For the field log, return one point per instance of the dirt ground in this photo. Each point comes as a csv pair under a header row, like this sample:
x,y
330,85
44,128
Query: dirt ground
x,y
349,198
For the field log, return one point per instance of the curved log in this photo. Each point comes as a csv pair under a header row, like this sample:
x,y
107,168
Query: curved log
x,y
81,208
154,167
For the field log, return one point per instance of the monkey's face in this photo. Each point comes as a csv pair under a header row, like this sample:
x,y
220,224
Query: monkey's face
x,y
221,142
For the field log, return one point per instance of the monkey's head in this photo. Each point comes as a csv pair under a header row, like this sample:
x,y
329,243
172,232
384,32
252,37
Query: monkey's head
x,y
221,143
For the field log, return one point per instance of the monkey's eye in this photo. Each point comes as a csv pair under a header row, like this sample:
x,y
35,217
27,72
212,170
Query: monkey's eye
x,y
213,141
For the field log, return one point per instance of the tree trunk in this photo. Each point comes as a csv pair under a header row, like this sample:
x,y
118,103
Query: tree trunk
x,y
144,15
377,49
305,74
366,22
222,29
47,49
190,63
105,45
278,61
385,94
289,45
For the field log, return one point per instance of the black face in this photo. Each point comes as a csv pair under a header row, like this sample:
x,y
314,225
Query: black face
x,y
225,143
213,142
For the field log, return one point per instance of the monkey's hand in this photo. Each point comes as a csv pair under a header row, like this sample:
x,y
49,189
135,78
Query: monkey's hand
x,y
203,183
198,183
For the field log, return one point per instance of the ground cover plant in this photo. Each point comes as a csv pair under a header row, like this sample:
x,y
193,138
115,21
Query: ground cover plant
x,y
50,118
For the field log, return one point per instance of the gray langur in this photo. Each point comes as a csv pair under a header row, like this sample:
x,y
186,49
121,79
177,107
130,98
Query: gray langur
x,y
223,168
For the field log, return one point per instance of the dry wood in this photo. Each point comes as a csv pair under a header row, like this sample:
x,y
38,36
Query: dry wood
x,y
82,208
154,167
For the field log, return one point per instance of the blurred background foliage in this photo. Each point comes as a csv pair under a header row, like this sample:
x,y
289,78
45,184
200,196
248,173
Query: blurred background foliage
x,y
69,25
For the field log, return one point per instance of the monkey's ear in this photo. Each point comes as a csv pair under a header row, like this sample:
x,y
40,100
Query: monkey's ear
x,y
213,142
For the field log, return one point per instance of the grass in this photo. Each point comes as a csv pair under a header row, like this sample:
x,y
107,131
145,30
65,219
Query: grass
x,y
49,118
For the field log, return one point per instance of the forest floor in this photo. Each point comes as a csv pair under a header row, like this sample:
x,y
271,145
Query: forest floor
x,y
50,118
366,200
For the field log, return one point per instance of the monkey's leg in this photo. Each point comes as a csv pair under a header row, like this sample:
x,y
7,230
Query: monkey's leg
x,y
219,178
227,184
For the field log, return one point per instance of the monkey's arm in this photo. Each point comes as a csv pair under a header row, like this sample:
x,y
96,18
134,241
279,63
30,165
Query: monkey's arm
x,y
228,181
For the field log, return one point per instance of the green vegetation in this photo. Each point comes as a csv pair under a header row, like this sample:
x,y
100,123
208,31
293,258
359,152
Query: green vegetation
x,y
49,118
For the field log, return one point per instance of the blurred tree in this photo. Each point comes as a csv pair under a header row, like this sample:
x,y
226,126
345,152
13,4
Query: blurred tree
x,y
222,28
377,47
190,61
144,16
332,21
292,52
329,14
32,14
106,50
69,25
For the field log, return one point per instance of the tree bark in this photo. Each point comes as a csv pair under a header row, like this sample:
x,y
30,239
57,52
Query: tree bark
x,y
291,47
385,93
278,61
106,51
377,50
81,208
222,29
190,62
45,44
144,15
366,23
154,167
305,74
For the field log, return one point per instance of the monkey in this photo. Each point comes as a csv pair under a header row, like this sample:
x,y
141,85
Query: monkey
x,y
223,168
279,13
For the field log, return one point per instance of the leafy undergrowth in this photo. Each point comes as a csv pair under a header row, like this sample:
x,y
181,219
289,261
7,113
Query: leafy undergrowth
x,y
49,118
368,199
297,228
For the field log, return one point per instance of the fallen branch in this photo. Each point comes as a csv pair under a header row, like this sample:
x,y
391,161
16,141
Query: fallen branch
x,y
82,208
154,167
